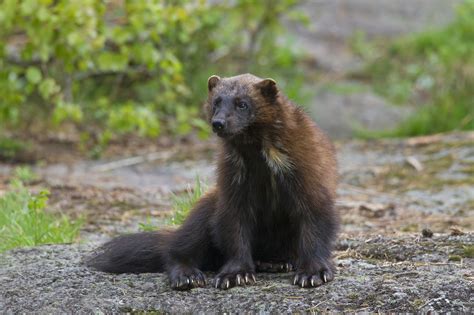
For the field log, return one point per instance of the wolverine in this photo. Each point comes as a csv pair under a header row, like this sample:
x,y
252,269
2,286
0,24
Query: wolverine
x,y
271,210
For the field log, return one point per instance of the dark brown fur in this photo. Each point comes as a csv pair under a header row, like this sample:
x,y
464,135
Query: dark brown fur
x,y
272,208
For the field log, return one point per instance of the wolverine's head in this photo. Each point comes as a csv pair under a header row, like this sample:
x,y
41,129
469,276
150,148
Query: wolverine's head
x,y
236,104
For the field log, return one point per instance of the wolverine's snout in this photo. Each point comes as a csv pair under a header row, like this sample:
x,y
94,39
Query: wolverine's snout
x,y
218,125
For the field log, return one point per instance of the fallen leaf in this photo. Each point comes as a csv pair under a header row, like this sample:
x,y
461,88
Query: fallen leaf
x,y
375,210
424,140
455,231
415,163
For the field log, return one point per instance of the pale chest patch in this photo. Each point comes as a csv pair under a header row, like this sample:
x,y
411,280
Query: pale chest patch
x,y
238,166
278,161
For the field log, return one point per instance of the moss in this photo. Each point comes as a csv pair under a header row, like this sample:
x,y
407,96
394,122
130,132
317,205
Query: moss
x,y
412,227
441,163
353,296
417,303
374,254
454,258
467,168
437,146
468,251
132,311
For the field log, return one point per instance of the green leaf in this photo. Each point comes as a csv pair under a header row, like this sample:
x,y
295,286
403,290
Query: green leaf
x,y
67,111
112,61
48,88
33,75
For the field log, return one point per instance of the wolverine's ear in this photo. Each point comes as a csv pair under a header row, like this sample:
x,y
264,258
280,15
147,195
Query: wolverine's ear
x,y
268,88
212,82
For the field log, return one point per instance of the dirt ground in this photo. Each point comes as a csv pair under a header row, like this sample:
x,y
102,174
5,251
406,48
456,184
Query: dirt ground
x,y
390,192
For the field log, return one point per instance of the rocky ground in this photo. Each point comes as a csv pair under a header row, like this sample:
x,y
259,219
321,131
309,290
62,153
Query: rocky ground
x,y
407,206
398,274
390,192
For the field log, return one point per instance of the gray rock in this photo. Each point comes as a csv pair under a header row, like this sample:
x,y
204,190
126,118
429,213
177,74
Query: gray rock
x,y
341,115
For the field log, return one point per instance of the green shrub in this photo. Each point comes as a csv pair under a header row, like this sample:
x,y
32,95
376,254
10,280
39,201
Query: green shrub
x,y
434,69
24,222
120,67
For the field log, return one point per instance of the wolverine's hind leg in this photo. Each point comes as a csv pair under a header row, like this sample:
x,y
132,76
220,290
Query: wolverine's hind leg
x,y
190,249
273,266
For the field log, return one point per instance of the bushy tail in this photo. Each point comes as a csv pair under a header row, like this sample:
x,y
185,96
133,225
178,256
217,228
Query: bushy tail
x,y
133,253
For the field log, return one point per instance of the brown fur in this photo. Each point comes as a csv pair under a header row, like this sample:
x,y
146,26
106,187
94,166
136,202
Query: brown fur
x,y
273,205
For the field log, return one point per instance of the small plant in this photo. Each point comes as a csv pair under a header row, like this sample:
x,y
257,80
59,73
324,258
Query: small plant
x,y
182,204
147,226
24,222
468,251
361,46
25,174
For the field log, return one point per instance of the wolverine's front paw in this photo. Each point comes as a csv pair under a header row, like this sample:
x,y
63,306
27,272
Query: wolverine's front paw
x,y
186,278
235,274
229,280
314,276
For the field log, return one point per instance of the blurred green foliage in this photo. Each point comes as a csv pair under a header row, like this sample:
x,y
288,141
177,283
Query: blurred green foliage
x,y
11,149
434,69
25,174
121,66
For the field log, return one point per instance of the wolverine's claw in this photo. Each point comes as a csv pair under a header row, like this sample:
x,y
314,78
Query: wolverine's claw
x,y
312,279
253,277
227,280
184,278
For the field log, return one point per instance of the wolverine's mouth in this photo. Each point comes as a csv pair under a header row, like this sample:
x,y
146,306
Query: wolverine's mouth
x,y
223,134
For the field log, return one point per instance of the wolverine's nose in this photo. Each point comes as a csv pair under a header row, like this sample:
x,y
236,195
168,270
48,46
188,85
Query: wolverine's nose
x,y
218,124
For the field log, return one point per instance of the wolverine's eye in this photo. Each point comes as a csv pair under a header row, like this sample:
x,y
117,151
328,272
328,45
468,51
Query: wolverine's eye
x,y
217,103
242,105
